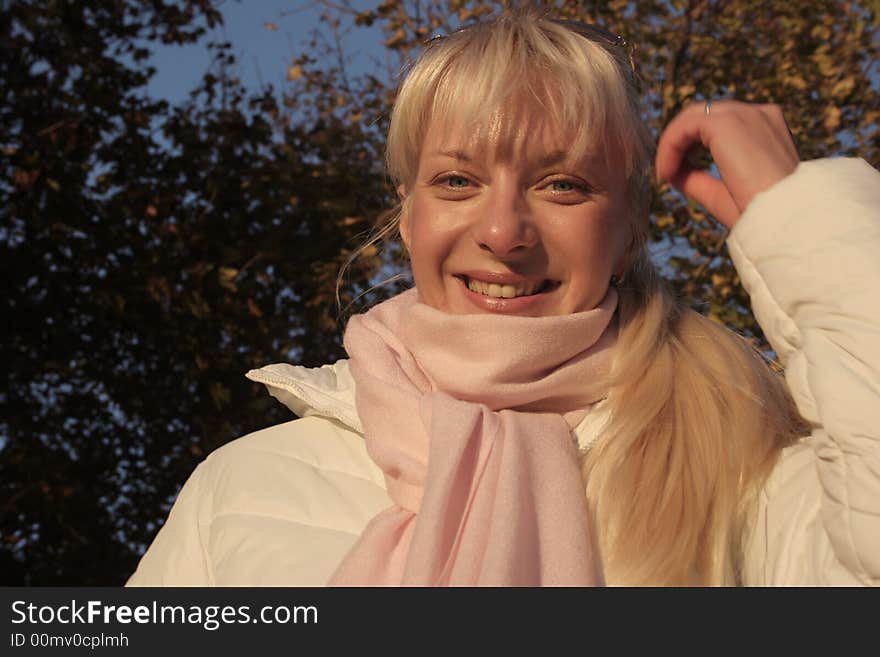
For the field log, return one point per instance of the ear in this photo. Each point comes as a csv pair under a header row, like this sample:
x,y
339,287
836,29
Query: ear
x,y
404,222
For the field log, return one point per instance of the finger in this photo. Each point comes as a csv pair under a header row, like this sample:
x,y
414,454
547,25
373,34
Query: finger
x,y
683,133
709,192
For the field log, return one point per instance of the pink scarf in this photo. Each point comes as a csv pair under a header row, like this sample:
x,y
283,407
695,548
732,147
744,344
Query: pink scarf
x,y
470,418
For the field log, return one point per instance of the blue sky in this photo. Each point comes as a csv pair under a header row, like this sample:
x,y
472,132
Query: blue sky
x,y
263,55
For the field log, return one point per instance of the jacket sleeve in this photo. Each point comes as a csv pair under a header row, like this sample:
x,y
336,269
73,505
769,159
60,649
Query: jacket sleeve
x,y
808,253
177,556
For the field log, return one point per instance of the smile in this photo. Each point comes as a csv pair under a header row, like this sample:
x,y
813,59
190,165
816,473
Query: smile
x,y
507,290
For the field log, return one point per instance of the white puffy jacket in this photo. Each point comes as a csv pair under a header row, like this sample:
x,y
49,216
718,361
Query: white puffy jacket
x,y
282,506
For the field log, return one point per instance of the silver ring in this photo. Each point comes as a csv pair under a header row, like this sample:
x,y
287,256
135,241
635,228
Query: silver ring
x,y
706,108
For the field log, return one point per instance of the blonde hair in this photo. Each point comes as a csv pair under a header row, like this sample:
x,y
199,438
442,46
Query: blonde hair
x,y
696,418
493,78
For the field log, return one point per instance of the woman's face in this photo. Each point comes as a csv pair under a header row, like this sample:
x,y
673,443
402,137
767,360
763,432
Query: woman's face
x,y
528,234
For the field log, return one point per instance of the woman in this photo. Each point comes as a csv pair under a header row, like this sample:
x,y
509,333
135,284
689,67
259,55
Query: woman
x,y
539,410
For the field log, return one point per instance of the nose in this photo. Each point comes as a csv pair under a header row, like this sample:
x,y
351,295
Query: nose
x,y
505,226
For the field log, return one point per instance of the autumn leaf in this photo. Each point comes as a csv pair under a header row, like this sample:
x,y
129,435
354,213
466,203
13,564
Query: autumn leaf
x,y
396,39
843,88
832,118
227,277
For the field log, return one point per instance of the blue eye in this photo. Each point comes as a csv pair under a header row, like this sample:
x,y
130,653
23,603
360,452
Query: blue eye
x,y
563,186
457,182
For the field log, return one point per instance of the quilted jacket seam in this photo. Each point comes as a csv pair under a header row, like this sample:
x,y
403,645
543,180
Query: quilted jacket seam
x,y
272,516
766,293
853,544
317,467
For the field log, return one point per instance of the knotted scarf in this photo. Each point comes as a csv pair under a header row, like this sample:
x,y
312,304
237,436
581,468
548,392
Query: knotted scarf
x,y
470,419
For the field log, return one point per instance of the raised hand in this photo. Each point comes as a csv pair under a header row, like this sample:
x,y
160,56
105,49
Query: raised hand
x,y
750,144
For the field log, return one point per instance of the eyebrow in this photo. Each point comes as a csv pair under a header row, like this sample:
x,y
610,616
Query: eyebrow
x,y
554,157
455,155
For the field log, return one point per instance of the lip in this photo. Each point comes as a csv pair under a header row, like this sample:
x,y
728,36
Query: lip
x,y
515,306
501,278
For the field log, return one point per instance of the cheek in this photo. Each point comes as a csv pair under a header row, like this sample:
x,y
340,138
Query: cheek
x,y
433,233
421,232
609,238
591,242
426,251
614,238
620,241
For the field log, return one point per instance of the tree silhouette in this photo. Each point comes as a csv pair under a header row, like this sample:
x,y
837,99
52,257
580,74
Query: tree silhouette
x,y
152,255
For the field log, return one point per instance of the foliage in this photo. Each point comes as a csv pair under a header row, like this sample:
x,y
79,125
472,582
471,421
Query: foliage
x,y
152,253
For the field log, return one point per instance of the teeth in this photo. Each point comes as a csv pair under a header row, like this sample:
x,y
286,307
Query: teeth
x,y
502,291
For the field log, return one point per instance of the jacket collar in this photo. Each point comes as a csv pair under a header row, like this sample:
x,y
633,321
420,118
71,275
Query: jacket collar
x,y
328,391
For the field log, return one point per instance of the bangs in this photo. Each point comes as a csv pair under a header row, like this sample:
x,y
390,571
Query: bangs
x,y
500,82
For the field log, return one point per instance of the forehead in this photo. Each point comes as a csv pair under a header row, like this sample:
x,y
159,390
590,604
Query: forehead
x,y
530,141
